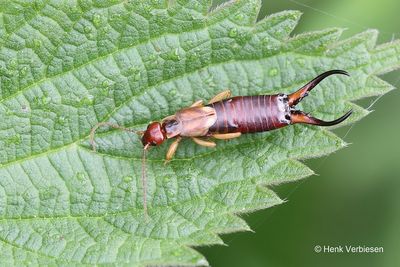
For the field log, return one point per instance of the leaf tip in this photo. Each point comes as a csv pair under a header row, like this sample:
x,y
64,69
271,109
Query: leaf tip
x,y
202,262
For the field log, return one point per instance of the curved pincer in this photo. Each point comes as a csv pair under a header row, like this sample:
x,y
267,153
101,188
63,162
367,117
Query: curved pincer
x,y
297,96
298,116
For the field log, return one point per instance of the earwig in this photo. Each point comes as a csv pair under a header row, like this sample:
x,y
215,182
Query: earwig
x,y
226,117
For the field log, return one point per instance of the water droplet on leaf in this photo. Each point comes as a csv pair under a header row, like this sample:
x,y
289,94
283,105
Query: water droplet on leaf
x,y
15,139
189,43
236,47
23,71
127,179
61,120
239,16
273,72
97,19
176,56
80,176
49,193
115,16
88,100
12,64
87,29
45,100
233,32
192,56
137,76
106,83
37,43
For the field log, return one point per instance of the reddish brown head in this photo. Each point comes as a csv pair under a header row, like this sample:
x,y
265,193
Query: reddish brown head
x,y
154,135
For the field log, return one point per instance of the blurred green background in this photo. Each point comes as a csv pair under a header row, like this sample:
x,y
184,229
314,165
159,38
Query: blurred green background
x,y
355,198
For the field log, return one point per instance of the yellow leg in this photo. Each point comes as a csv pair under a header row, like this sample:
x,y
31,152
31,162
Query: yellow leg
x,y
220,96
198,103
172,149
226,136
202,142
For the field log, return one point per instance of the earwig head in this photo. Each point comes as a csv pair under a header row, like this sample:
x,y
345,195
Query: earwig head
x,y
298,116
154,135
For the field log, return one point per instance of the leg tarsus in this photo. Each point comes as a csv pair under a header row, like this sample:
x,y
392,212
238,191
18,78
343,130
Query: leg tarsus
x,y
221,96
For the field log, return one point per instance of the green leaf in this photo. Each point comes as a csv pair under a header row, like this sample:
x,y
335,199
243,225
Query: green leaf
x,y
67,65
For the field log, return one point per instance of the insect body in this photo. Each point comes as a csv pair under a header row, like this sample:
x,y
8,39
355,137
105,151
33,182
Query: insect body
x,y
226,118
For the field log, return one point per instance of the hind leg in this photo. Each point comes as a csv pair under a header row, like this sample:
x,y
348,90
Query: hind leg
x,y
202,142
226,136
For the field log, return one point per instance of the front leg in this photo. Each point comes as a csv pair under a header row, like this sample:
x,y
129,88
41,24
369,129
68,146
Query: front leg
x,y
172,149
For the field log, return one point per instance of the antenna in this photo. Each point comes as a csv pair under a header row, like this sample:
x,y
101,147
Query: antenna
x,y
145,148
109,124
144,180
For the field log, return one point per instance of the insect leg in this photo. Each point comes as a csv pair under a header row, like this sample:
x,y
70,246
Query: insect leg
x,y
220,96
202,142
198,103
226,136
172,149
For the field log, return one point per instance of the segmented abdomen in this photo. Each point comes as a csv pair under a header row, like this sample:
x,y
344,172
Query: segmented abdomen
x,y
249,114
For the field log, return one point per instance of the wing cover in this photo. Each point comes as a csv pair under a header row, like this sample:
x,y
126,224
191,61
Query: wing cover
x,y
196,121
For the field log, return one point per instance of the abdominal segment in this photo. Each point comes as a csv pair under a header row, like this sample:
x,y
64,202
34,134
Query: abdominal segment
x,y
249,114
